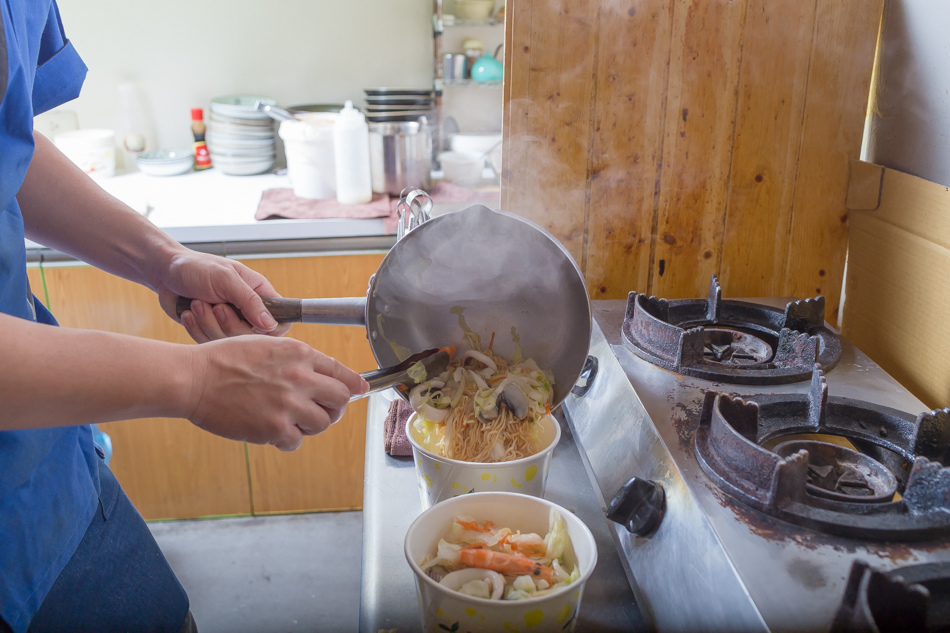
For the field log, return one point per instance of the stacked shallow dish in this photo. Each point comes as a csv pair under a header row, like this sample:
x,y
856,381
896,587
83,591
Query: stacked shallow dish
x,y
166,162
394,105
240,138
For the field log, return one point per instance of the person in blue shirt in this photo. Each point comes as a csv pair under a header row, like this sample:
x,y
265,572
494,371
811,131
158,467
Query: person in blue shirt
x,y
74,553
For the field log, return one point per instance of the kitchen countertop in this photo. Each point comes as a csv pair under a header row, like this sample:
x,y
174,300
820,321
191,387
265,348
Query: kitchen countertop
x,y
214,212
391,502
213,209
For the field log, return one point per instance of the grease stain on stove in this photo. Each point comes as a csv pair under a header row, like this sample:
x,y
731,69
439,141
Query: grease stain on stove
x,y
807,573
685,420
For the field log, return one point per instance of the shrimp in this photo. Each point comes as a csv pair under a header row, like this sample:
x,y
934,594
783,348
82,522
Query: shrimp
x,y
508,564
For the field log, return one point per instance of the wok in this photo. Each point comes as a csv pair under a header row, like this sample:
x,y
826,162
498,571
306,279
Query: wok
x,y
504,274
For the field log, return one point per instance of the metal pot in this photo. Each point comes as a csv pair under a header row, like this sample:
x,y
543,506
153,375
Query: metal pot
x,y
505,275
400,155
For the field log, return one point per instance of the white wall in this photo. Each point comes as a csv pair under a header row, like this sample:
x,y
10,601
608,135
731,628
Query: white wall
x,y
910,123
182,53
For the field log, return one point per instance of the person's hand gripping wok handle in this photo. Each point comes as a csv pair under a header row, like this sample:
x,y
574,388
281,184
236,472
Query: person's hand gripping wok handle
x,y
260,389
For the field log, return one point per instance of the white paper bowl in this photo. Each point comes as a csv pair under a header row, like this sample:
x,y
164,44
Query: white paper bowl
x,y
441,478
443,609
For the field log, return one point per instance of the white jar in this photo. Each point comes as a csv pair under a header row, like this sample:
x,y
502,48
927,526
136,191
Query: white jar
x,y
351,152
311,163
92,150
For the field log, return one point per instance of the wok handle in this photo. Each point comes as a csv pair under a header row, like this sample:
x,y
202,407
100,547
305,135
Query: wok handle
x,y
283,310
345,311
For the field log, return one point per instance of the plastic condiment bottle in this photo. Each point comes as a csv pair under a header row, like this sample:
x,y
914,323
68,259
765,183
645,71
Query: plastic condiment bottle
x,y
202,156
351,157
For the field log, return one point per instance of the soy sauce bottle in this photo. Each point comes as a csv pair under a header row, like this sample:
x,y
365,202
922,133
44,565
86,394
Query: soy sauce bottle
x,y
202,156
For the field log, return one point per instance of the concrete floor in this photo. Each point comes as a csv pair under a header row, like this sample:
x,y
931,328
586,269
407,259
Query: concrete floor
x,y
269,574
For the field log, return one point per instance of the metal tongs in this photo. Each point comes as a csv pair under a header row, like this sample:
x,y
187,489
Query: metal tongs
x,y
413,371
413,209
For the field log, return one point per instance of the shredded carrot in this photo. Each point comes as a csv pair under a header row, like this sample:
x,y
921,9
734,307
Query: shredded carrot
x,y
547,407
475,527
496,380
492,341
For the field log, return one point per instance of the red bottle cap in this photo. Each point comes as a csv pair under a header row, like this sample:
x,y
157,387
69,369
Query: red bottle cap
x,y
197,114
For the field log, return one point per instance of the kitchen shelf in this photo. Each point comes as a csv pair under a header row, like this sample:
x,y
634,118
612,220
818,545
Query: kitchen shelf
x,y
439,24
466,22
469,82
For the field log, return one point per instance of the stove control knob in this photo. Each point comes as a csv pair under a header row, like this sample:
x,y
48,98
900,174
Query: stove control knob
x,y
639,506
587,376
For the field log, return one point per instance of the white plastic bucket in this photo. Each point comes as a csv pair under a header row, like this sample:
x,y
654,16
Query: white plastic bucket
x,y
93,151
308,145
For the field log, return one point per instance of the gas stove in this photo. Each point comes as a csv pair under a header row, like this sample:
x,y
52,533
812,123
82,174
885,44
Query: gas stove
x,y
760,473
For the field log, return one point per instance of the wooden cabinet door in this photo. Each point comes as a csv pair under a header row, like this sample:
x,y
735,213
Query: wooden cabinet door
x,y
170,468
326,473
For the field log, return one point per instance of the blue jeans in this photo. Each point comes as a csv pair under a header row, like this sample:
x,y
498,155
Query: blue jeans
x,y
118,579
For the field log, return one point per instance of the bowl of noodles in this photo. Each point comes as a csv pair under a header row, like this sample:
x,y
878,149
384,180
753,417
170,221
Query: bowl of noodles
x,y
499,561
484,424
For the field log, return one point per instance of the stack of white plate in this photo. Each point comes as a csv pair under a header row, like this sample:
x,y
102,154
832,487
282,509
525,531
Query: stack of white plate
x,y
240,138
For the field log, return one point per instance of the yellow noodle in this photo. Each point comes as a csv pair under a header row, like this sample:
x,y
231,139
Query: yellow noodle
x,y
466,438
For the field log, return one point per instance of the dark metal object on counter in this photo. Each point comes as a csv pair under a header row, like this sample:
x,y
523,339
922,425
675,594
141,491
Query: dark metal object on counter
x,y
728,445
909,599
731,341
639,506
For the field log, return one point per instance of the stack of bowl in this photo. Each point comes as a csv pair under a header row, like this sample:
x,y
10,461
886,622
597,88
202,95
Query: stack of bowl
x,y
393,105
241,138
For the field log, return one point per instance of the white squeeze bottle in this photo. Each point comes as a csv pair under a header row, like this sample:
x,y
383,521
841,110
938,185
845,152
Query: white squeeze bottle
x,y
351,157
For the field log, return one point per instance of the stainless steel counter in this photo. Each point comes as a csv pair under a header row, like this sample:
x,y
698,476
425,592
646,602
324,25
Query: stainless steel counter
x,y
391,502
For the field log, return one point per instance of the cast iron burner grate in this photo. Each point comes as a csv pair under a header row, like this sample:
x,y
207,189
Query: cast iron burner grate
x,y
897,453
911,599
731,341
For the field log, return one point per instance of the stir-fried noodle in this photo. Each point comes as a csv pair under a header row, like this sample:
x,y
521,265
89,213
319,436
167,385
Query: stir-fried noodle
x,y
483,409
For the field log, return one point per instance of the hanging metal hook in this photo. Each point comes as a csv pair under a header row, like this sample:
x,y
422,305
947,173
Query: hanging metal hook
x,y
413,209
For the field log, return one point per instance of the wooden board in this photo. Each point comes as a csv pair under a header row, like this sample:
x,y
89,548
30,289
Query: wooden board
x,y
663,141
699,124
897,295
549,137
626,147
171,469
835,110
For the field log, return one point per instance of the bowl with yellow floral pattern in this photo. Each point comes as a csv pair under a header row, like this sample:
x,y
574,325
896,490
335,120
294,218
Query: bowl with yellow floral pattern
x,y
498,561
441,478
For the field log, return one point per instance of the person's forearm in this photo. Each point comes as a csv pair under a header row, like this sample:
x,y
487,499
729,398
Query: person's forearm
x,y
53,376
65,209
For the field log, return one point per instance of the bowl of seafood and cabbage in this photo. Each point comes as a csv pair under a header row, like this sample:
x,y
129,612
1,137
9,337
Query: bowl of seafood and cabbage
x,y
499,561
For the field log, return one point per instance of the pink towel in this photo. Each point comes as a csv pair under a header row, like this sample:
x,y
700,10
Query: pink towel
x,y
282,203
395,440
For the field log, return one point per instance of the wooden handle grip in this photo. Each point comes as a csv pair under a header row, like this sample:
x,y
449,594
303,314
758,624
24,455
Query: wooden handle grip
x,y
283,310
